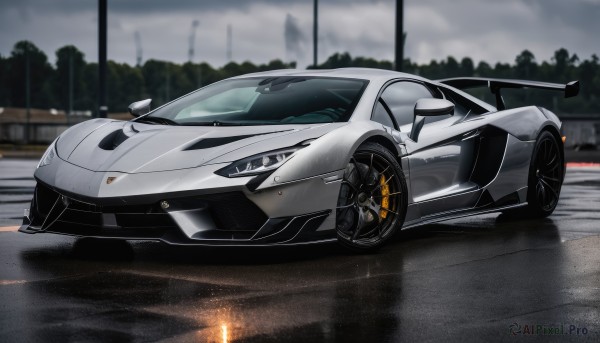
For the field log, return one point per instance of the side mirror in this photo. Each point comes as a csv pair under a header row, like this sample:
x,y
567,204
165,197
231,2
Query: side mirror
x,y
429,108
139,108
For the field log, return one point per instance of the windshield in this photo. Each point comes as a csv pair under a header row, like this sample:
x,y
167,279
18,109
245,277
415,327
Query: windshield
x,y
265,101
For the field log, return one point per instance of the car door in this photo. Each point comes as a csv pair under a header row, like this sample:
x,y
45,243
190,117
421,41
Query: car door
x,y
442,157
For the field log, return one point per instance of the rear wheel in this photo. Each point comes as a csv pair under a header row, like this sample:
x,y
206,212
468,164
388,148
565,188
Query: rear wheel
x,y
372,201
545,177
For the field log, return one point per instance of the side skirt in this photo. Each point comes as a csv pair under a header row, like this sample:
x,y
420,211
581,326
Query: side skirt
x,y
459,214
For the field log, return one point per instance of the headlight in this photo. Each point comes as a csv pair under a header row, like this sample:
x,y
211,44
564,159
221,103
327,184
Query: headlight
x,y
258,164
48,155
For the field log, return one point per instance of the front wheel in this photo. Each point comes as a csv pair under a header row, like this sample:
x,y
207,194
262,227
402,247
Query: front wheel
x,y
373,198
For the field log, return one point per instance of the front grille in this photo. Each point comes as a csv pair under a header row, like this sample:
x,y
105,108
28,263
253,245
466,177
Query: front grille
x,y
235,217
44,199
231,211
137,209
79,217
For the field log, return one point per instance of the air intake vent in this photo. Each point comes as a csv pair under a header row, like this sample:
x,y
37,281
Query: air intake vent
x,y
213,142
113,140
207,143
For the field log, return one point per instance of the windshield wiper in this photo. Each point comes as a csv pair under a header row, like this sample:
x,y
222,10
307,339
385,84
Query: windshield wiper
x,y
157,120
215,123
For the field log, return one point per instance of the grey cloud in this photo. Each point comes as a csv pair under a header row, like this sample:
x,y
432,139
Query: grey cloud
x,y
487,30
161,6
294,38
187,5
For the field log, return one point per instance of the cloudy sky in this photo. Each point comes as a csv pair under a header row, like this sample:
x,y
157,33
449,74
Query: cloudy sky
x,y
489,30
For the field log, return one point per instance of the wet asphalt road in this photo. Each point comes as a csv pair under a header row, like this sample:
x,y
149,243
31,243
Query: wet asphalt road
x,y
478,279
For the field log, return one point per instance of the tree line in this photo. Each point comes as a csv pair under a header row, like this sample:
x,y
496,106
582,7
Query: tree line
x,y
71,83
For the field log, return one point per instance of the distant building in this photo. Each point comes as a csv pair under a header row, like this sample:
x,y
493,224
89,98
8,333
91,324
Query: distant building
x,y
44,125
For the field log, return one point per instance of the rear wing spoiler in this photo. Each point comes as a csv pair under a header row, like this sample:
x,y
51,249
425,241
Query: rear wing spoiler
x,y
570,89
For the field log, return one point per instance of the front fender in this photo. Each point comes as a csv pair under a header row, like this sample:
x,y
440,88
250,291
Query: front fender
x,y
329,153
71,138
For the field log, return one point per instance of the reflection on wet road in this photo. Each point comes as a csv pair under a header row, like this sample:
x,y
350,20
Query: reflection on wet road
x,y
463,280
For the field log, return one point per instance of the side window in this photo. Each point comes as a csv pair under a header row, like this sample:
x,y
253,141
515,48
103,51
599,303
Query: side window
x,y
463,106
382,116
401,98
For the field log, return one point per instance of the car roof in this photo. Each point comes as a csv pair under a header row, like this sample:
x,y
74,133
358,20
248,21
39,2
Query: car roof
x,y
357,73
378,77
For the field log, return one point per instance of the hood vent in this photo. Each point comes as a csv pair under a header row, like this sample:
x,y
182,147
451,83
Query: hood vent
x,y
213,142
207,143
113,140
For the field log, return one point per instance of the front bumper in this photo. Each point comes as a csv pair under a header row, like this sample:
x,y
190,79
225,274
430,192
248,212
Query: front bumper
x,y
228,218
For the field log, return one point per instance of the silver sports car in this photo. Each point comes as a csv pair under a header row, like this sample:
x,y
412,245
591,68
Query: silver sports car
x,y
295,157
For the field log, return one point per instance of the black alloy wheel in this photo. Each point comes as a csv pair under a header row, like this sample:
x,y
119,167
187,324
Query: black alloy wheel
x,y
545,176
373,197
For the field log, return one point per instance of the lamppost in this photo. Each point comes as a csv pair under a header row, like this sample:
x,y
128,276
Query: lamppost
x,y
102,107
27,94
399,55
70,110
315,31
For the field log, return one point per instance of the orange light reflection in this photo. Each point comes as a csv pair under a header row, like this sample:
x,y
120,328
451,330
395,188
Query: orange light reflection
x,y
224,332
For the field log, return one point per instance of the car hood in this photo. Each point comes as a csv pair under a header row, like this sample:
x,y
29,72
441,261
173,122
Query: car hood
x,y
132,147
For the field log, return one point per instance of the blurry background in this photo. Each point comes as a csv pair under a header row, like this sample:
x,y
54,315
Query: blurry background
x,y
164,49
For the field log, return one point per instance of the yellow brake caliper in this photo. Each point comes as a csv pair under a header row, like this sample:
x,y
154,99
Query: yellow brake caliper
x,y
385,197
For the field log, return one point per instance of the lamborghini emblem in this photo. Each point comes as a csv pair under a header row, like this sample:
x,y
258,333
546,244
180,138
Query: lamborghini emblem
x,y
110,179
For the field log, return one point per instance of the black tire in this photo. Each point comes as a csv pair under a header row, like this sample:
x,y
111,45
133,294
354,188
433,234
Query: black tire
x,y
373,199
546,174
